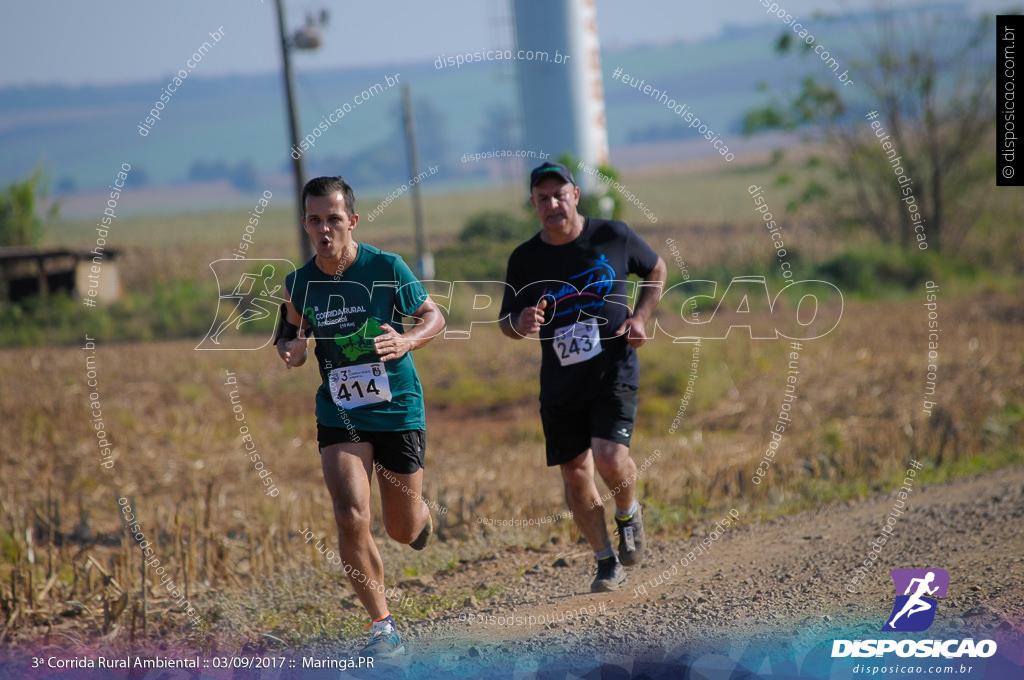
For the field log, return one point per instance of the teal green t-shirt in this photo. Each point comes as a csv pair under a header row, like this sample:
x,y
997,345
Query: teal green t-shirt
x,y
345,313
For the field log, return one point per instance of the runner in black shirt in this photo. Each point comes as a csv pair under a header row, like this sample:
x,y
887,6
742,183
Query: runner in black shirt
x,y
569,284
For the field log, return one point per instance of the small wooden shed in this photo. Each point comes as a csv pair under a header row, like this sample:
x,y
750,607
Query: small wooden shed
x,y
26,272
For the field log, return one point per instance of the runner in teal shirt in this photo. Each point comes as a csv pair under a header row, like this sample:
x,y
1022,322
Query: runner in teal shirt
x,y
344,313
369,407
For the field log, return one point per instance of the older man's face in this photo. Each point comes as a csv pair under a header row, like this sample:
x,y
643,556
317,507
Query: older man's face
x,y
555,201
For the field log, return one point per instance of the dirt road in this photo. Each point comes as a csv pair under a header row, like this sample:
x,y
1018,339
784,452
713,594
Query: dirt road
x,y
776,587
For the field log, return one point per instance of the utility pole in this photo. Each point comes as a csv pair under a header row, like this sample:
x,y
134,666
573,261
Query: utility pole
x,y
424,260
299,165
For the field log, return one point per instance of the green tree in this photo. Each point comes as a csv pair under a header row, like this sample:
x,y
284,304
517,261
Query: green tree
x,y
596,203
20,223
932,83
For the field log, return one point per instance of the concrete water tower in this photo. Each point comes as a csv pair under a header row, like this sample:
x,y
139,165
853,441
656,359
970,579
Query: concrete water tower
x,y
562,96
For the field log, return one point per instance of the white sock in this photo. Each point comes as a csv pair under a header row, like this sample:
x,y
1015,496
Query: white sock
x,y
384,625
619,514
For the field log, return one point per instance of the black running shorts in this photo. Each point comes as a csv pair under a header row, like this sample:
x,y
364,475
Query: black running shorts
x,y
400,452
568,428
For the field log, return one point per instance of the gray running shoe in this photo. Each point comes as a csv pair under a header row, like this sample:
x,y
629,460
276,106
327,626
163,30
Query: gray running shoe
x,y
631,538
384,644
609,575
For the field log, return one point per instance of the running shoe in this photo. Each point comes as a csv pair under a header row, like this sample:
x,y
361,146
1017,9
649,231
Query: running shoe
x,y
631,538
421,541
385,643
609,575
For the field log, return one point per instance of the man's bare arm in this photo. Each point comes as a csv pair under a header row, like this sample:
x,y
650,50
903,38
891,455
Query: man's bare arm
x,y
650,294
528,321
392,345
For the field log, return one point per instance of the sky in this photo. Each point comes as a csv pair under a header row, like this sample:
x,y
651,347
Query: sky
x,y
71,42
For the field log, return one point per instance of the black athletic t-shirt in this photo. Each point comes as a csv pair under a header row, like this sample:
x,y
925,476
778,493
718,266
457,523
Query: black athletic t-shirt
x,y
584,282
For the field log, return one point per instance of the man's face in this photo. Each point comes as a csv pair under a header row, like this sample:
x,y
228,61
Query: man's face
x,y
328,224
555,200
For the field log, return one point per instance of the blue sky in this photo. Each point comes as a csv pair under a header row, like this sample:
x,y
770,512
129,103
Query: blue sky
x,y
70,42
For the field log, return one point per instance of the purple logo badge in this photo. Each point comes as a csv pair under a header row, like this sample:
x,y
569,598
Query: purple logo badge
x,y
916,590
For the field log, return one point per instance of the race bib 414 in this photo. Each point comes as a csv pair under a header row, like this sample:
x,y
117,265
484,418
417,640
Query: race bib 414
x,y
360,385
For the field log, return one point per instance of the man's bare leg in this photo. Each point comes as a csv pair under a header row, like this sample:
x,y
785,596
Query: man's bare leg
x,y
346,468
404,510
584,501
617,469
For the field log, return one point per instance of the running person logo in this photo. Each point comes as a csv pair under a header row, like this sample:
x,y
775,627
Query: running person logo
x,y
249,296
585,292
600,276
915,609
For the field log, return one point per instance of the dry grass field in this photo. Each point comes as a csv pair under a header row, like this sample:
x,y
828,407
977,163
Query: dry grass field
x,y
70,575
